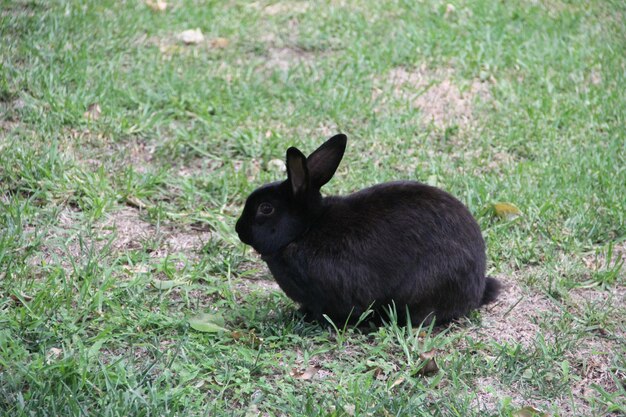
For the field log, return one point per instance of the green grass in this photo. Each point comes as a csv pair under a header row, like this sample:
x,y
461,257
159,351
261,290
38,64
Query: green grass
x,y
94,210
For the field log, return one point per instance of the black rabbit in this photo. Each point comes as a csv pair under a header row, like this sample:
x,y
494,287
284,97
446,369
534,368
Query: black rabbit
x,y
402,243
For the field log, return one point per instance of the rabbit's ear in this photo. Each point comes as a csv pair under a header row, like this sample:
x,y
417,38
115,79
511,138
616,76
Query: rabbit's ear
x,y
297,172
323,162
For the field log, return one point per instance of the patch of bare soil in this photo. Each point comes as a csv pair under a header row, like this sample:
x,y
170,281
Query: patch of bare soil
x,y
9,121
515,316
186,43
284,58
65,244
285,55
7,126
598,261
282,51
441,100
257,276
516,319
555,8
594,362
94,149
286,7
138,154
119,232
132,232
20,9
598,298
199,166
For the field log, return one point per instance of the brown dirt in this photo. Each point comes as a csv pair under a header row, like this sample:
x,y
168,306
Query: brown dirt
x,y
286,7
599,298
199,166
284,58
93,150
61,244
441,100
258,277
6,127
170,45
282,52
517,317
127,230
131,232
597,260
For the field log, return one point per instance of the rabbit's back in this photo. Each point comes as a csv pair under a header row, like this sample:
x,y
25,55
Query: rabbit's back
x,y
402,242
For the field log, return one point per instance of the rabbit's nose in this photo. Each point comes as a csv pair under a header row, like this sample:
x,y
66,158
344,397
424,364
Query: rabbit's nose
x,y
239,228
241,232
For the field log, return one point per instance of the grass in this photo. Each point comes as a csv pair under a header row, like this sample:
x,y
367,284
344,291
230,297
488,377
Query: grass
x,y
117,226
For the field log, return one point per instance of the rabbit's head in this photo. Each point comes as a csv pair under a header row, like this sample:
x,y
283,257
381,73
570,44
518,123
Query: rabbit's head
x,y
278,213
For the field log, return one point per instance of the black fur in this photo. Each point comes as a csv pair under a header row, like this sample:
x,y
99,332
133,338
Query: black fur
x,y
404,243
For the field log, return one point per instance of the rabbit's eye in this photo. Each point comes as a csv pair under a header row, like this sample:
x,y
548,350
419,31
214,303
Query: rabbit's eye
x,y
265,209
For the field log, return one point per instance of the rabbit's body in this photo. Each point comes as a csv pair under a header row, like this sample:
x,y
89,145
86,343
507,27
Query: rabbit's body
x,y
349,260
402,243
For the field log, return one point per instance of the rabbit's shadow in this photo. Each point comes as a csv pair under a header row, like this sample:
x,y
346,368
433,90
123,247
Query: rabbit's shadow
x,y
273,314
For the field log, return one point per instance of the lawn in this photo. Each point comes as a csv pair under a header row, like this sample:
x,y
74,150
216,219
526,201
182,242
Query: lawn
x,y
127,152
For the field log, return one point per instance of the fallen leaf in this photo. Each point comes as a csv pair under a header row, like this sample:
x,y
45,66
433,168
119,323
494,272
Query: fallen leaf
x,y
349,409
219,43
166,284
506,211
135,202
529,411
93,112
207,323
138,269
157,5
397,382
305,375
20,298
428,366
249,338
379,374
191,36
53,354
450,9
